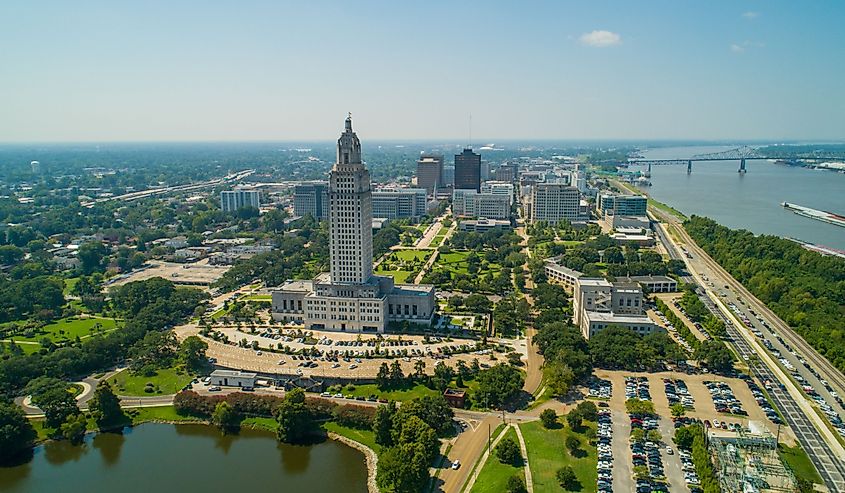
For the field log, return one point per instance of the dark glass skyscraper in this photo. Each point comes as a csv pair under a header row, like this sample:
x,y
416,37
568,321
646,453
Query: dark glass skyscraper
x,y
468,170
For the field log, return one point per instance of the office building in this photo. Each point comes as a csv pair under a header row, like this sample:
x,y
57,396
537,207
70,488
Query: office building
x,y
397,203
485,170
470,203
482,225
598,304
621,205
349,297
232,200
507,172
554,202
311,198
498,188
448,176
468,170
430,172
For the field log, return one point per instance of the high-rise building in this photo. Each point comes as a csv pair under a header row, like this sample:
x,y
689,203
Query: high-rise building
x,y
311,198
580,179
349,297
397,203
468,170
485,170
448,176
553,202
232,200
430,172
469,203
498,188
507,172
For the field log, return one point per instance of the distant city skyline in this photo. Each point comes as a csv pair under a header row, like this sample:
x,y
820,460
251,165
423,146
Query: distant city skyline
x,y
531,71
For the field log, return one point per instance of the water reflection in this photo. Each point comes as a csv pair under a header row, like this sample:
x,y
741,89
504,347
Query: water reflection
x,y
109,445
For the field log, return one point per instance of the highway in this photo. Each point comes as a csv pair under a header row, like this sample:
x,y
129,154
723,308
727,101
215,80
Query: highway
x,y
128,197
823,447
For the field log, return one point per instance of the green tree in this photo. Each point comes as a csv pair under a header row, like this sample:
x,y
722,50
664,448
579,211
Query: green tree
x,y
573,419
566,477
16,433
507,451
572,443
677,409
91,256
73,428
396,375
402,468
383,376
53,396
516,484
498,384
559,377
105,405
587,410
684,437
383,424
225,417
549,418
294,419
192,353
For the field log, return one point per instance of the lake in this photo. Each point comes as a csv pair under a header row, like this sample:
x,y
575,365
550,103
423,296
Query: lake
x,y
187,458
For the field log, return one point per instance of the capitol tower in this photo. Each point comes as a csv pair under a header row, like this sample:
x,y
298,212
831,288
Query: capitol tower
x,y
349,298
350,213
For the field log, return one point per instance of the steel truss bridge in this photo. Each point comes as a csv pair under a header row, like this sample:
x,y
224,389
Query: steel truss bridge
x,y
741,154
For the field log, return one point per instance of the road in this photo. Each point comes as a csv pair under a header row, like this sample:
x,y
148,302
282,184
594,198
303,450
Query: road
x,y
818,441
128,197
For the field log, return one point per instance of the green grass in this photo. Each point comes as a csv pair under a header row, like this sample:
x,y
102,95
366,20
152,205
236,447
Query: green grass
x,y
260,423
402,263
69,284
547,453
168,380
159,413
456,262
67,329
258,297
797,460
365,437
404,394
494,475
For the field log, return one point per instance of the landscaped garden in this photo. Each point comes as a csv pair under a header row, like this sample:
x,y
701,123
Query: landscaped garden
x,y
547,453
164,381
495,474
403,265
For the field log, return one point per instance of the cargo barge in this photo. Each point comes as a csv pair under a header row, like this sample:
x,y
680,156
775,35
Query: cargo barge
x,y
824,216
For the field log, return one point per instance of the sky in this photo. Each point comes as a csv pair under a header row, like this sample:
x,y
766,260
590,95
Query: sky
x,y
184,70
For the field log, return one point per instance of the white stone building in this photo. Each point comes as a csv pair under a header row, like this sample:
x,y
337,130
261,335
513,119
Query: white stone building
x,y
349,297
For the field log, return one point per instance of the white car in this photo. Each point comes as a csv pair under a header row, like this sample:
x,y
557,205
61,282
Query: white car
x,y
456,464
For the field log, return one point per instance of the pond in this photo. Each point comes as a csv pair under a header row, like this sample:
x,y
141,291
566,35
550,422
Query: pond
x,y
187,458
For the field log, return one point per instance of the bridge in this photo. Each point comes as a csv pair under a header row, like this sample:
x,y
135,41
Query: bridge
x,y
741,154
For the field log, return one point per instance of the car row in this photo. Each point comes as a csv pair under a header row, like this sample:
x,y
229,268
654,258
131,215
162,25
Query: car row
x,y
688,468
677,392
637,388
600,388
604,438
723,398
760,397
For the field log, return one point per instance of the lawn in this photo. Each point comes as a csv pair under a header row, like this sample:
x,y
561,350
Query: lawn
x,y
159,413
402,263
67,329
69,284
456,261
403,394
494,475
547,454
365,437
797,460
257,297
260,423
167,381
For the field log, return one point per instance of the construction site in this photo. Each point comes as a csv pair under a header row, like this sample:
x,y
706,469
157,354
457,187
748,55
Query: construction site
x,y
747,461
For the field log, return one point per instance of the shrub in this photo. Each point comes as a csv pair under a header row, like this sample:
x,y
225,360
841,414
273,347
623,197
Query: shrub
x,y
549,418
507,451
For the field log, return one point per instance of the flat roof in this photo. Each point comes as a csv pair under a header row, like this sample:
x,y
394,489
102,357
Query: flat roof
x,y
611,317
651,279
298,286
233,373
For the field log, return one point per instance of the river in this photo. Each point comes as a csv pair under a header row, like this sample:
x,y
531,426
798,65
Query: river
x,y
752,200
187,458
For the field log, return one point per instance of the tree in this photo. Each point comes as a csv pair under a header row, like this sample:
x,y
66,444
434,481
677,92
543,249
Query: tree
x,y
573,418
498,384
419,369
559,377
415,430
516,484
91,256
73,428
433,410
105,405
225,417
549,418
16,433
53,396
294,418
641,472
677,409
383,424
572,443
587,410
654,436
684,437
715,355
402,468
396,375
192,353
566,477
383,376
507,451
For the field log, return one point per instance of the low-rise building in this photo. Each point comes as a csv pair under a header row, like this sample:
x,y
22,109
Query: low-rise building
x,y
233,378
455,397
561,274
470,203
232,200
483,224
397,203
598,304
654,284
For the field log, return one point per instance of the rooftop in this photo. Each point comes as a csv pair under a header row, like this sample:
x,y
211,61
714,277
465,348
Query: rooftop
x,y
233,373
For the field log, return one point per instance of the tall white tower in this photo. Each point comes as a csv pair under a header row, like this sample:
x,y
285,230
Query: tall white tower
x,y
350,213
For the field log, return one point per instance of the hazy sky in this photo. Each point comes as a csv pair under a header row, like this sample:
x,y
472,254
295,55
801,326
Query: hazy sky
x,y
251,70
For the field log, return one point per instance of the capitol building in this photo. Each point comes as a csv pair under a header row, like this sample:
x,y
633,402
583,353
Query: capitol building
x,y
350,297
